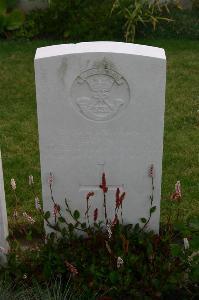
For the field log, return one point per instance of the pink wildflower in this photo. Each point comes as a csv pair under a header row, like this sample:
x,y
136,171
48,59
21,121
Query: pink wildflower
x,y
119,198
186,243
103,186
3,250
31,180
28,218
50,179
90,194
56,209
115,221
109,231
152,171
13,184
72,269
15,214
178,188
37,203
120,262
177,195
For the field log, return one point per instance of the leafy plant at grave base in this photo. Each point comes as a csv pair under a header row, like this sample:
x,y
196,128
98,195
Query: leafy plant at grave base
x,y
140,12
110,259
54,290
6,291
10,17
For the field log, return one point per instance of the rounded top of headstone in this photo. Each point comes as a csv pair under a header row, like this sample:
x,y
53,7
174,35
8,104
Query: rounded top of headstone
x,y
100,47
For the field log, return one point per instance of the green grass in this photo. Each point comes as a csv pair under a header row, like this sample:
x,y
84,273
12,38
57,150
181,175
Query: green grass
x,y
19,133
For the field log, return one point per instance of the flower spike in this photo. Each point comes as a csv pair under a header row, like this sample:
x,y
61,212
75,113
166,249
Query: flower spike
x,y
103,186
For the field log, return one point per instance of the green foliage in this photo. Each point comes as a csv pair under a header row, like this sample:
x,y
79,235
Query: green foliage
x,y
152,265
185,25
73,20
53,290
77,20
195,5
108,258
10,17
6,291
140,12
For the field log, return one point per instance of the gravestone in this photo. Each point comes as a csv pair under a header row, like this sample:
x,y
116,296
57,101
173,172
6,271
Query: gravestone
x,y
101,109
28,5
3,218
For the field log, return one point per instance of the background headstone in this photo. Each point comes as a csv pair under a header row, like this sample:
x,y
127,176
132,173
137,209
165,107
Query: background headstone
x,y
101,109
3,217
28,5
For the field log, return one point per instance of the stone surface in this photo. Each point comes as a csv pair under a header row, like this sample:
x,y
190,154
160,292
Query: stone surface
x,y
28,5
101,109
3,217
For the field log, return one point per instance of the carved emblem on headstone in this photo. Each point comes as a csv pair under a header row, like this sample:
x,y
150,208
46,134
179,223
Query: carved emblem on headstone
x,y
100,93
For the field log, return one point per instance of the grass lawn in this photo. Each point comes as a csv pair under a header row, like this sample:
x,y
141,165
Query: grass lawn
x,y
18,122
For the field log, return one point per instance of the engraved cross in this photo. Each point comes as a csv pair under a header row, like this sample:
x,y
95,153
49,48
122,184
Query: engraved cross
x,y
97,202
95,188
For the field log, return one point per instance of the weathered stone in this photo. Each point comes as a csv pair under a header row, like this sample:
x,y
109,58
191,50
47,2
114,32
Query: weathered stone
x,y
101,109
3,218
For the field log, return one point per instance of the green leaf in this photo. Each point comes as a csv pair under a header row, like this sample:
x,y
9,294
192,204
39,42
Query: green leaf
x,y
137,227
29,235
176,250
83,225
47,270
149,249
143,220
114,277
11,4
76,214
194,223
47,215
133,259
71,227
194,243
2,23
64,231
14,20
152,209
61,219
195,274
3,6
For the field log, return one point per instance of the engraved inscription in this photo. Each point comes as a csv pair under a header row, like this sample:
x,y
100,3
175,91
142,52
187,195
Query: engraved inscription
x,y
100,93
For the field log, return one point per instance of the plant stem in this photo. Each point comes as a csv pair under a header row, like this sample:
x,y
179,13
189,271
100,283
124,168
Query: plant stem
x,y
121,213
151,203
87,215
105,211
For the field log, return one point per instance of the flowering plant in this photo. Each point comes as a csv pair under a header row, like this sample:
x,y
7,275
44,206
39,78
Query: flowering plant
x,y
110,258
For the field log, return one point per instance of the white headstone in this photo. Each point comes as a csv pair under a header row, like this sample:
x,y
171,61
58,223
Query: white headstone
x,y
101,109
3,218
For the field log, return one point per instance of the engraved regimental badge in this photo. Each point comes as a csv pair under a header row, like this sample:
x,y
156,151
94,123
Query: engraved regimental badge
x,y
100,93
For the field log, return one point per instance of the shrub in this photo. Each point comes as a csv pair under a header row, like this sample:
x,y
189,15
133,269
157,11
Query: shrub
x,y
91,20
54,290
109,258
185,25
195,5
140,12
73,21
10,17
